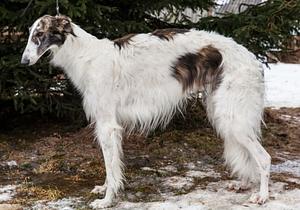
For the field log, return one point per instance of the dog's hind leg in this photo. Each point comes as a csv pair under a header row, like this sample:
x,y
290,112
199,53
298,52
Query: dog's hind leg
x,y
235,111
110,137
251,159
263,161
244,154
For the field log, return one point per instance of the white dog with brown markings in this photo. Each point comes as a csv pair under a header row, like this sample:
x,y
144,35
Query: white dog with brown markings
x,y
139,81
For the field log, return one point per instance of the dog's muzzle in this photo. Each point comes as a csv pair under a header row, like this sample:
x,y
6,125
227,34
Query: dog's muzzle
x,y
25,61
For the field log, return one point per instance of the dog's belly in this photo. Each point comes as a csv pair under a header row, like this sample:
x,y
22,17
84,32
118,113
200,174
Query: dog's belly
x,y
147,107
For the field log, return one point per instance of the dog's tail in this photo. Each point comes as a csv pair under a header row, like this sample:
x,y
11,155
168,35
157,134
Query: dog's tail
x,y
235,109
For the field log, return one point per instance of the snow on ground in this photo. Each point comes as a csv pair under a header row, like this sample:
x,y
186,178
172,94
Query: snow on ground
x,y
169,168
7,192
292,119
201,174
178,182
9,164
62,204
289,166
282,85
217,197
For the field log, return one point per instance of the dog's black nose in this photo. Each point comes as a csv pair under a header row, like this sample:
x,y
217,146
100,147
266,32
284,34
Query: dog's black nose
x,y
25,61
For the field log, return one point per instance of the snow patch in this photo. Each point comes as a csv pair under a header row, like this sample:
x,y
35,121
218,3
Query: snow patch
x,y
218,198
162,170
10,164
62,204
154,170
190,166
295,180
289,166
169,168
282,85
178,182
202,174
7,192
200,170
292,119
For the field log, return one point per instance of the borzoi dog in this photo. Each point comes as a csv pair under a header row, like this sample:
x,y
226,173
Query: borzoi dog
x,y
140,80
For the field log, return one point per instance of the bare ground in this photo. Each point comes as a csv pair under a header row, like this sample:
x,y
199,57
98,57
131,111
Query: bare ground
x,y
56,160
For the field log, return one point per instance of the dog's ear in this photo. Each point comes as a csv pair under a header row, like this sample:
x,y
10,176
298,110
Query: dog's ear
x,y
64,24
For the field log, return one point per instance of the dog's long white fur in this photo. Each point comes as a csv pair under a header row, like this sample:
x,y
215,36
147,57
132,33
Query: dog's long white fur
x,y
133,86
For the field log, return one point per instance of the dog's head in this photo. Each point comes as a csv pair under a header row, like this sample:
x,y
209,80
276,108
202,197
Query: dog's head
x,y
47,33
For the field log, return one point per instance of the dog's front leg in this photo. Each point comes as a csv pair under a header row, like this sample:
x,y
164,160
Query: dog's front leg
x,y
109,136
100,189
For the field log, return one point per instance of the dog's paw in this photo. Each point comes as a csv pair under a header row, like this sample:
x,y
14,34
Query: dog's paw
x,y
101,204
238,187
99,189
257,198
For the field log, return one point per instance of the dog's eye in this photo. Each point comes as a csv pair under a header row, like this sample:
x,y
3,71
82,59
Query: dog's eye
x,y
39,34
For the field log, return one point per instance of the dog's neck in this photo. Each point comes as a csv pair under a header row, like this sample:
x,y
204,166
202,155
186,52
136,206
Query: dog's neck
x,y
77,52
79,32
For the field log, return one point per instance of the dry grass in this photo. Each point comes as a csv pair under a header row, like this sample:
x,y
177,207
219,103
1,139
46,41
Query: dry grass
x,y
29,193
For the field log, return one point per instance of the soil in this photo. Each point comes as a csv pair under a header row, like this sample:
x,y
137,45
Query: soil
x,y
59,159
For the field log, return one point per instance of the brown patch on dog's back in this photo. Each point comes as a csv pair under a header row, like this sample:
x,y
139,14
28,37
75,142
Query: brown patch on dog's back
x,y
123,41
201,70
168,33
